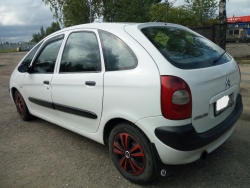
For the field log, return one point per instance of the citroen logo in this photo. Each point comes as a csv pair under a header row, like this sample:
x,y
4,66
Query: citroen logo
x,y
227,83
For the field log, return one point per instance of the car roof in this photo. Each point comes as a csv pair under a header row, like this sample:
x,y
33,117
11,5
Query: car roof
x,y
114,27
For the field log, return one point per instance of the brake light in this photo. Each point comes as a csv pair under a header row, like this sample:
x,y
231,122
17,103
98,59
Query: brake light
x,y
176,99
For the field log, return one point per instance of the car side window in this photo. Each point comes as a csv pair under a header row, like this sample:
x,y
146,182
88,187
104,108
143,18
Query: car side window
x,y
81,53
45,61
31,54
117,54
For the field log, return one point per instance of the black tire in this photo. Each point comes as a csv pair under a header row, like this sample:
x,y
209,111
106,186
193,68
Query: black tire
x,y
134,164
21,106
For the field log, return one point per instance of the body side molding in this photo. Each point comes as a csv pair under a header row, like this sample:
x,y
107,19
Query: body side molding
x,y
63,108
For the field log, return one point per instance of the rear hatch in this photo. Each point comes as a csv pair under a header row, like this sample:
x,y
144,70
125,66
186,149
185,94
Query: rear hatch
x,y
212,89
212,75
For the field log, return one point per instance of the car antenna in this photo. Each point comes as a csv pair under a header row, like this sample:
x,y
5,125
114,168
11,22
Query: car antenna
x,y
159,16
169,4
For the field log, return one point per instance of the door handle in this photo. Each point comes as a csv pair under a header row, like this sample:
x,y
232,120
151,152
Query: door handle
x,y
90,83
46,82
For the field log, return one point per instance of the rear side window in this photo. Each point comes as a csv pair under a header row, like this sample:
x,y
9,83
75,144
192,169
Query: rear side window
x,y
185,49
117,54
81,53
30,56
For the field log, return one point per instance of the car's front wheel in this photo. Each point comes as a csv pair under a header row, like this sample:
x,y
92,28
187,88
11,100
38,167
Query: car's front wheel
x,y
22,107
131,154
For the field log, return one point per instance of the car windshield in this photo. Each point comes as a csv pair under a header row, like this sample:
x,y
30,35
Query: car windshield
x,y
184,48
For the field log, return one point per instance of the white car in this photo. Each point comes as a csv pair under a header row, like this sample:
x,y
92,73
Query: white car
x,y
157,94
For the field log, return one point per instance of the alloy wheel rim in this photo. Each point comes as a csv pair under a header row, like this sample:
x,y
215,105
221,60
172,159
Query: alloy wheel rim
x,y
19,104
129,154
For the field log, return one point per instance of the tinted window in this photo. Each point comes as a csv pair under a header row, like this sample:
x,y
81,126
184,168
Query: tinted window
x,y
236,32
81,53
46,60
117,55
31,54
184,49
231,32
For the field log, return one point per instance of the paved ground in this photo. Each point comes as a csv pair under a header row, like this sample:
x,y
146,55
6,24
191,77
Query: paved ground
x,y
238,49
41,154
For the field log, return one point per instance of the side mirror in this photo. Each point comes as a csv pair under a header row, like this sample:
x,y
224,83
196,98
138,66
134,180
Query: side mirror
x,y
23,68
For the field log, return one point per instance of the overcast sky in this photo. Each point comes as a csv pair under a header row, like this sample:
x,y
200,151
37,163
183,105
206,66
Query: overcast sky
x,y
234,7
19,19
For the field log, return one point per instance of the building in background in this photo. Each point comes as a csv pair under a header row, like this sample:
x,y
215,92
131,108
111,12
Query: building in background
x,y
238,28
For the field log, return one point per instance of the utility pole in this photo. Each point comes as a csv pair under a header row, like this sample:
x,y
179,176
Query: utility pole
x,y
167,10
90,11
223,24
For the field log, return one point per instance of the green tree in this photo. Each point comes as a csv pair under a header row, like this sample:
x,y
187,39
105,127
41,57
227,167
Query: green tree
x,y
36,37
73,12
76,12
157,12
42,32
178,15
181,15
53,28
127,10
109,10
203,9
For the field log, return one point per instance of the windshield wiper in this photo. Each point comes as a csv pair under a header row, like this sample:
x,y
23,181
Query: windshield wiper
x,y
217,59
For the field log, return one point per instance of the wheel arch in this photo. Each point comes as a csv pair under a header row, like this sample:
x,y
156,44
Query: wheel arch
x,y
13,90
113,123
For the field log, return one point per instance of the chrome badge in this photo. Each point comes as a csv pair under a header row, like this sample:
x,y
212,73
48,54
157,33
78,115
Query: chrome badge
x,y
227,83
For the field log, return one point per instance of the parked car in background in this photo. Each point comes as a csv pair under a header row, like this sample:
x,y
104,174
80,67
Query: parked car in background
x,y
157,94
23,48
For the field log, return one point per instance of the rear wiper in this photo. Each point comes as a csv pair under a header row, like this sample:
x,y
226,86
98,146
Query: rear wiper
x,y
217,59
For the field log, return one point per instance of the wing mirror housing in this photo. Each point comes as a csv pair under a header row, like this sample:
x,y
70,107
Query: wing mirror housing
x,y
23,68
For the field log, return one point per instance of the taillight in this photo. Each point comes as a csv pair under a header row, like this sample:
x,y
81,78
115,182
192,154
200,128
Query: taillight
x,y
176,99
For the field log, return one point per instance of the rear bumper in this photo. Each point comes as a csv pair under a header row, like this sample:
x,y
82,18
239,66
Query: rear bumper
x,y
185,138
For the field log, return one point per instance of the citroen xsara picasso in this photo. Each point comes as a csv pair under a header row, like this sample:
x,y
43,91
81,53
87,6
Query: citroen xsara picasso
x,y
157,94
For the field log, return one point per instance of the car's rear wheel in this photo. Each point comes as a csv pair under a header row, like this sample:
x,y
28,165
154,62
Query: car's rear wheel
x,y
131,154
22,107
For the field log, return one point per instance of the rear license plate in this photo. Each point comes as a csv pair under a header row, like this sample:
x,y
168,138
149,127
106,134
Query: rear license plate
x,y
222,104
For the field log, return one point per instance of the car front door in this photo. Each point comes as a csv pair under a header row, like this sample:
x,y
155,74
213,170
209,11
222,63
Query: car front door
x,y
37,83
77,87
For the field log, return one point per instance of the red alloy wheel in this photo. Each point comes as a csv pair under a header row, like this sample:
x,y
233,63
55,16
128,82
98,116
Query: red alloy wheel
x,y
20,104
129,154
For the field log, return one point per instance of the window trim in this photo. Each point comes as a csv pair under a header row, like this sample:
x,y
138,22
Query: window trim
x,y
40,50
126,46
99,66
189,65
39,44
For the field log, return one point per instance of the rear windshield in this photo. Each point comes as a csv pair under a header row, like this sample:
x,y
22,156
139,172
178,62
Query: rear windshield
x,y
185,49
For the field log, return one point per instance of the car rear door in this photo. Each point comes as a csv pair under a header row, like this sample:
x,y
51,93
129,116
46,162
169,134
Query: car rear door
x,y
210,87
77,87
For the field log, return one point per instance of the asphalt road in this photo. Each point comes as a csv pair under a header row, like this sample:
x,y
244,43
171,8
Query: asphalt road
x,y
41,154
